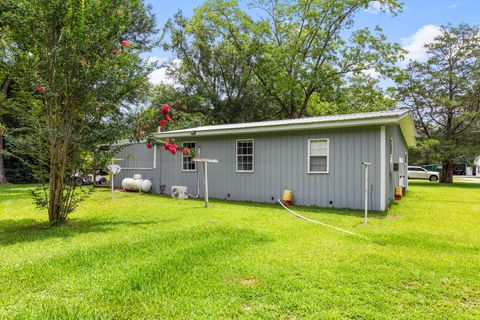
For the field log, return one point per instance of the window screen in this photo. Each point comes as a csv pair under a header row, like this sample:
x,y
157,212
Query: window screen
x,y
245,155
318,156
187,162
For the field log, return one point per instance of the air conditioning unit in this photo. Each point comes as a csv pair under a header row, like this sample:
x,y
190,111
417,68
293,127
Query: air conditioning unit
x,y
179,192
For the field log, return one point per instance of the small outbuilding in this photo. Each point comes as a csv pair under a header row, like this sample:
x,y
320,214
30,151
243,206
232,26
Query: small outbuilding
x,y
319,159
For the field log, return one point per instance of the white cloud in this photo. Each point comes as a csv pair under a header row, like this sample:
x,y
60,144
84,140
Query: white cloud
x,y
371,73
374,7
454,5
415,44
160,75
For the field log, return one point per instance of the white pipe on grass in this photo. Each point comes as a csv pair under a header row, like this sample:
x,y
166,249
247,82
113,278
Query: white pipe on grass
x,y
320,223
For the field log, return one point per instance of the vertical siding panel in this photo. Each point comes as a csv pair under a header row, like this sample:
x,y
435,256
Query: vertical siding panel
x,y
280,163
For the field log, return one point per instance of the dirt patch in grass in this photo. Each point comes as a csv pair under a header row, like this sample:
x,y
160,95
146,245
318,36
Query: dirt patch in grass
x,y
247,307
249,282
393,216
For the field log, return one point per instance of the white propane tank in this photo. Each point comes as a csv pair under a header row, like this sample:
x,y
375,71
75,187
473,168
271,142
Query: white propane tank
x,y
146,185
136,184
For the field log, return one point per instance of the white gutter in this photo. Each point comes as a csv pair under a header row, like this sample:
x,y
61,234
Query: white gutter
x,y
276,128
404,120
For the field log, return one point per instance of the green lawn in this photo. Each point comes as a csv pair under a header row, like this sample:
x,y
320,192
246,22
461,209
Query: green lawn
x,y
144,257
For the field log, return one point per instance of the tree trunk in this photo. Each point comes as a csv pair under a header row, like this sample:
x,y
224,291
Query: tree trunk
x,y
3,178
56,184
447,172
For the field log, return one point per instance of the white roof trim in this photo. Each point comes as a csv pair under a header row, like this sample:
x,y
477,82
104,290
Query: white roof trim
x,y
403,118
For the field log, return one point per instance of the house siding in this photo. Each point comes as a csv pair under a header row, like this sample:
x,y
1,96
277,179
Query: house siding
x,y
399,150
280,163
138,159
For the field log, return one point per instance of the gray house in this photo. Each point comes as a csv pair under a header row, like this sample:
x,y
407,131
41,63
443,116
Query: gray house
x,y
319,159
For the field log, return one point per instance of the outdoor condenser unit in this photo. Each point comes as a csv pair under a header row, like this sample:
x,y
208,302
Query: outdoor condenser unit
x,y
179,192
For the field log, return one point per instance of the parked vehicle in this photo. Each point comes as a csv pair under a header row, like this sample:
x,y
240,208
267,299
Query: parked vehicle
x,y
422,173
100,178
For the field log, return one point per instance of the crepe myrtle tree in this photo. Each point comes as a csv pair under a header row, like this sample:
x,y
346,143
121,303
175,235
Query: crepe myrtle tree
x,y
159,116
77,68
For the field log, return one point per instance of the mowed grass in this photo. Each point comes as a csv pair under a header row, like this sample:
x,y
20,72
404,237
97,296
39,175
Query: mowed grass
x,y
144,256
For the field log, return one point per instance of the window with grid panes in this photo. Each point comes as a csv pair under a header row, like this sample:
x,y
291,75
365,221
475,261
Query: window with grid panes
x,y
245,155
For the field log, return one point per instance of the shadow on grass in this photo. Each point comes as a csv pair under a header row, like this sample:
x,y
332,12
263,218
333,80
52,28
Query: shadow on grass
x,y
30,230
455,185
305,209
425,241
15,193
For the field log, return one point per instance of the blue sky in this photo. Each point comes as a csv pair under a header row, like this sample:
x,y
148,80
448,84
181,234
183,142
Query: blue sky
x,y
417,24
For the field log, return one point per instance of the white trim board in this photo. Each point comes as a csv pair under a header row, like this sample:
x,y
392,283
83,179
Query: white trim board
x,y
328,156
253,156
382,168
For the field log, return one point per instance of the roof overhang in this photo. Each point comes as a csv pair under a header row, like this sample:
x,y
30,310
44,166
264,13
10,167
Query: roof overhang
x,y
404,120
408,130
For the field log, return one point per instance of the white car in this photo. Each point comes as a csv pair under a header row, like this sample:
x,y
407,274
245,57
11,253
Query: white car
x,y
421,173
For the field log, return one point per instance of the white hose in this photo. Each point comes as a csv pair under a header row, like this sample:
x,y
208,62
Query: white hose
x,y
320,223
198,188
198,178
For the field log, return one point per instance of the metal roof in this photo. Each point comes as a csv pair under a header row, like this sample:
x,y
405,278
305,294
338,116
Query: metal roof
x,y
334,121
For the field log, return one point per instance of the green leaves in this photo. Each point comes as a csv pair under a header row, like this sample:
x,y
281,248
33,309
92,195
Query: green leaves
x,y
444,93
285,51
74,50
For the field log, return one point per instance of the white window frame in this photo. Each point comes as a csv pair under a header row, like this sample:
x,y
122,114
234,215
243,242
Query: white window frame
x,y
253,156
188,170
328,156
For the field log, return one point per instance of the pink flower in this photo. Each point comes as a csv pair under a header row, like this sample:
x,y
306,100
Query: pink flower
x,y
147,126
141,133
40,89
163,123
165,109
115,51
125,43
149,146
185,150
167,118
171,147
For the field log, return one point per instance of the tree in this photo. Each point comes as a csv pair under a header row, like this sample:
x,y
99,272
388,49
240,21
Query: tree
x,y
290,52
3,97
443,94
187,110
77,69
211,72
5,82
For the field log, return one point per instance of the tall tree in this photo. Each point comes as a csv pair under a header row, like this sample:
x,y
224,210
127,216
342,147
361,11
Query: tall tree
x,y
5,83
210,70
3,97
78,67
444,96
288,51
